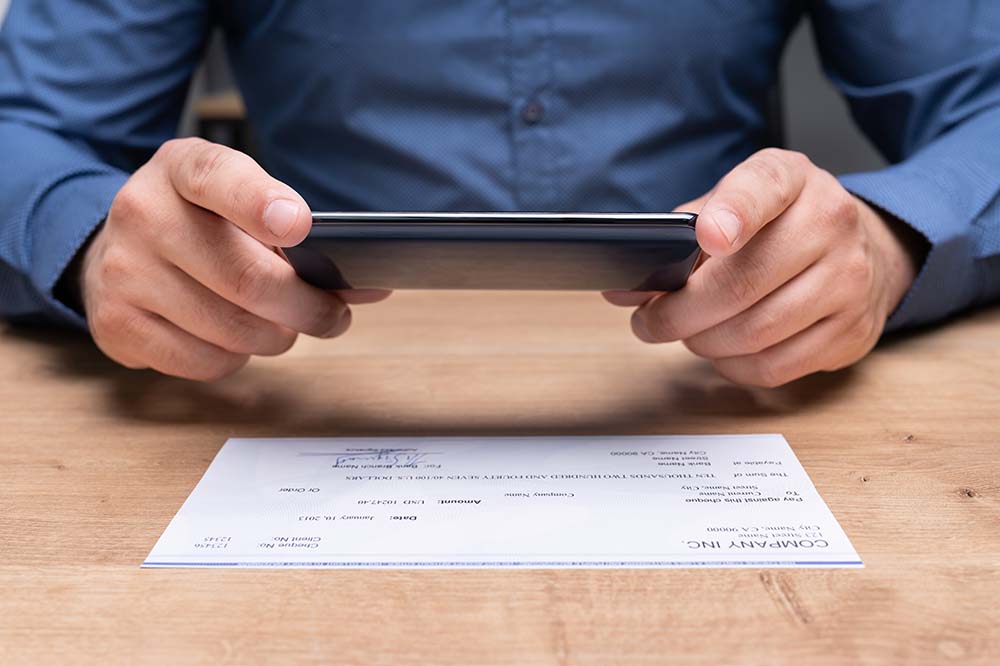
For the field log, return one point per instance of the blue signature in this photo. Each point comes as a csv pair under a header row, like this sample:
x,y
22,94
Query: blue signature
x,y
380,457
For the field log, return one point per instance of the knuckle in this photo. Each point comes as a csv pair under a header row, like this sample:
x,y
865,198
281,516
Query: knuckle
x,y
845,209
254,280
131,323
172,147
773,153
249,192
737,281
825,179
133,330
856,270
796,159
771,166
762,330
168,149
114,267
127,205
207,160
839,211
243,333
857,339
859,332
176,153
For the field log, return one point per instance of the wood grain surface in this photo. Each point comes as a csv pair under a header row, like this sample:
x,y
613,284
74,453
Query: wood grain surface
x,y
96,459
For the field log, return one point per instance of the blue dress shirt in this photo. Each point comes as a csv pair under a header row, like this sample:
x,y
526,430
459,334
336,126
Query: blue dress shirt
x,y
632,105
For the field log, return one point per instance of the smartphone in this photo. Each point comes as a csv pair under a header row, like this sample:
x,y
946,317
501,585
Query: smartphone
x,y
569,251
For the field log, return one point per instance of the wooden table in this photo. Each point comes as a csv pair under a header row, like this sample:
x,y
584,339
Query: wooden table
x,y
96,459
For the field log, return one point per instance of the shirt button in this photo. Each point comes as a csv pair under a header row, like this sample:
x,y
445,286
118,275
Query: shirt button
x,y
532,112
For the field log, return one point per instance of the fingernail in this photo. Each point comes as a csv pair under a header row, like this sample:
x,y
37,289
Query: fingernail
x,y
728,224
280,216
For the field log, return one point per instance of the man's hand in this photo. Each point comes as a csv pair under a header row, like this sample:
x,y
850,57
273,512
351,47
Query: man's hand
x,y
184,276
801,275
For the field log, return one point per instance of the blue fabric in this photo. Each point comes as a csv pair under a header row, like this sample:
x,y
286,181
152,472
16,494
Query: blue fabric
x,y
498,105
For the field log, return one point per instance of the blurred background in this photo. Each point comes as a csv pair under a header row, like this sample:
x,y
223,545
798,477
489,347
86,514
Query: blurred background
x,y
814,118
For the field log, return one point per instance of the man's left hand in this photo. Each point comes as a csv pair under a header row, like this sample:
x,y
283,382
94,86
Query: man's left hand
x,y
800,276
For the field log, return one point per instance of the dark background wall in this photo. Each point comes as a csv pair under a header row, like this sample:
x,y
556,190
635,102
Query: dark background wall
x,y
816,118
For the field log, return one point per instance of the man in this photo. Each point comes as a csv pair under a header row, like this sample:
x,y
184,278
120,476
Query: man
x,y
494,105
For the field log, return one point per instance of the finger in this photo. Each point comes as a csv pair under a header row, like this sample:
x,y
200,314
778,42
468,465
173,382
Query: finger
x,y
363,296
241,270
798,304
232,185
629,299
725,286
142,339
748,197
191,306
830,344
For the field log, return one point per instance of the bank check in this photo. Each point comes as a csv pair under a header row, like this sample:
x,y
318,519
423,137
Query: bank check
x,y
546,502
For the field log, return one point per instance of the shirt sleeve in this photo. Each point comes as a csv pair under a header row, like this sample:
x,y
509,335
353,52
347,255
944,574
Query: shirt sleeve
x,y
923,83
88,90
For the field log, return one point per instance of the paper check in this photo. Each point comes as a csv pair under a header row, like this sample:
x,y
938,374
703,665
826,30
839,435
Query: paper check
x,y
715,501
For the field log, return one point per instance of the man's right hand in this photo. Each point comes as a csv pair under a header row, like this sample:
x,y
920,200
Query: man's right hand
x,y
184,276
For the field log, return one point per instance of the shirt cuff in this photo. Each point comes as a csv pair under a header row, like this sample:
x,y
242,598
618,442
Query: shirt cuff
x,y
945,282
64,218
